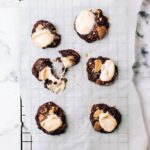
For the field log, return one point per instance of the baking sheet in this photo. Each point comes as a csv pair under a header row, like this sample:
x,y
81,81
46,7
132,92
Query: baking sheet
x,y
80,93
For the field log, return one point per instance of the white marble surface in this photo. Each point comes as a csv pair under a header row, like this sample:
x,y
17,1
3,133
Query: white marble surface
x,y
142,65
9,95
10,128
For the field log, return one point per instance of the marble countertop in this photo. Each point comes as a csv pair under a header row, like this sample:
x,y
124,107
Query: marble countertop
x,y
141,66
10,127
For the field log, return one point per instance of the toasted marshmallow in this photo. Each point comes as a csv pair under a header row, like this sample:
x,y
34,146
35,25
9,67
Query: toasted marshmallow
x,y
42,38
85,22
67,63
58,87
107,71
43,74
51,123
107,122
46,73
39,27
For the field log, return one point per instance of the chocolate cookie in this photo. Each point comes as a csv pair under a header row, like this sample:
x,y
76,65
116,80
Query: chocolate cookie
x,y
43,70
91,26
101,70
69,58
44,35
51,119
39,65
104,119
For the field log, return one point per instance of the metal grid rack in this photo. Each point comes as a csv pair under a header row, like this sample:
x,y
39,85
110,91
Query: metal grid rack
x,y
25,136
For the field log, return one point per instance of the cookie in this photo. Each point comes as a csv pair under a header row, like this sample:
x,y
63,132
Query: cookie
x,y
39,65
51,119
91,26
43,70
104,119
102,70
44,35
69,58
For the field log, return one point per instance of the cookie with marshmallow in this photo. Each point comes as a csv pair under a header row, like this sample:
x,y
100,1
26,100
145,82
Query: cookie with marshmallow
x,y
69,58
45,71
91,26
102,70
104,119
51,119
44,35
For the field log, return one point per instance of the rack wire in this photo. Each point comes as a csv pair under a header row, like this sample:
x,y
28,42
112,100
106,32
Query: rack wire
x,y
23,132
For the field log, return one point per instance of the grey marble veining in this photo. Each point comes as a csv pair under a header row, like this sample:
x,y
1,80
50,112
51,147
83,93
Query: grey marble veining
x,y
141,67
142,43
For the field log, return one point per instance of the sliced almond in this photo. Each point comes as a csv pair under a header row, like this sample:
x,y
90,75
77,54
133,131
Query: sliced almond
x,y
97,126
101,31
41,117
98,65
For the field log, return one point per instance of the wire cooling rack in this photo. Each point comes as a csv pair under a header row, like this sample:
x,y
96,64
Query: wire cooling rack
x,y
80,94
25,136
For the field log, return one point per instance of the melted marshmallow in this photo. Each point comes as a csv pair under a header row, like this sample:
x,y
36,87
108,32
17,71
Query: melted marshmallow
x,y
107,71
85,22
67,63
42,38
51,123
107,122
46,73
57,85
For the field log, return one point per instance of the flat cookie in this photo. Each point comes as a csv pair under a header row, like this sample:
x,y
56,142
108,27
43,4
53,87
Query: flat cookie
x,y
91,26
44,71
44,35
39,65
51,119
104,119
69,58
102,70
